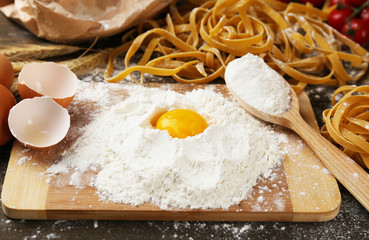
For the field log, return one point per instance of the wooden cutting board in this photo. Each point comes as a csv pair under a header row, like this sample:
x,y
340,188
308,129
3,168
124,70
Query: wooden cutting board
x,y
301,189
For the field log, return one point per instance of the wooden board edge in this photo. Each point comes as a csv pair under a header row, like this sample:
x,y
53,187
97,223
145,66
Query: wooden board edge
x,y
167,216
17,203
14,213
171,216
316,217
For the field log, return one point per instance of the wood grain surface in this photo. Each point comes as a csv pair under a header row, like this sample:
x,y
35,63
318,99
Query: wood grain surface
x,y
301,191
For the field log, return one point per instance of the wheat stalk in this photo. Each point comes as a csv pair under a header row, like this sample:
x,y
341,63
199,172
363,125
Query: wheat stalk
x,y
34,51
79,65
18,65
86,63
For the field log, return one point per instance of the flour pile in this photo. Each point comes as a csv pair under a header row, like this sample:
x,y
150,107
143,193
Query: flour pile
x,y
137,163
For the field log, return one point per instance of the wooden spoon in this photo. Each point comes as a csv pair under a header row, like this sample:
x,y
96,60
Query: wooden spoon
x,y
346,170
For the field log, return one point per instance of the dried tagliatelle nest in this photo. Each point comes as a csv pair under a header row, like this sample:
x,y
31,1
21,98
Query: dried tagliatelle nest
x,y
347,122
196,41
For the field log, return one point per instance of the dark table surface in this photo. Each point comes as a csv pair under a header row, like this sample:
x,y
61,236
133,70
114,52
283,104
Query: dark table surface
x,y
352,222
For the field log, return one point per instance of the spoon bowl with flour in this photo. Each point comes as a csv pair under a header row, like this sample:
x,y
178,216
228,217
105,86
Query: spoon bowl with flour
x,y
265,94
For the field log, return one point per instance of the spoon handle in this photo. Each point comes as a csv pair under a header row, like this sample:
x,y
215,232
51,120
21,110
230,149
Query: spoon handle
x,y
347,171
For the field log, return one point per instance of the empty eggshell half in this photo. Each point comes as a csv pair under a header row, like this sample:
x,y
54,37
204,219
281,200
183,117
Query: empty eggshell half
x,y
48,79
39,122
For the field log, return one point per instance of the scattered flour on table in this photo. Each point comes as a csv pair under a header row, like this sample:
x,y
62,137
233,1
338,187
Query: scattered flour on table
x,y
138,163
257,84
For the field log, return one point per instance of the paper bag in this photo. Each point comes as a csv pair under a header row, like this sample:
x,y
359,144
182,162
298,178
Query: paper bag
x,y
80,20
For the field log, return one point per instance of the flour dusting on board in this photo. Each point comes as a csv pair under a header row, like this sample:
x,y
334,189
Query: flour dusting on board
x,y
137,163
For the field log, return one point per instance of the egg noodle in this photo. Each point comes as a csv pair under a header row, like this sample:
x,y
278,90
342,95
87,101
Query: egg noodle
x,y
347,122
198,39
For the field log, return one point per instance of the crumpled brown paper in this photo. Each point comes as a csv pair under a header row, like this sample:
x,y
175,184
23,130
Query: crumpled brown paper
x,y
80,20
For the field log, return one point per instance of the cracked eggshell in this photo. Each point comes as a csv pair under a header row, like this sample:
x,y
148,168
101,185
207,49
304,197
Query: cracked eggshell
x,y
48,79
39,122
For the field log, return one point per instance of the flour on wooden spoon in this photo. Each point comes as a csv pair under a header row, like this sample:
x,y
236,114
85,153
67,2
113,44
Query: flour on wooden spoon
x,y
259,85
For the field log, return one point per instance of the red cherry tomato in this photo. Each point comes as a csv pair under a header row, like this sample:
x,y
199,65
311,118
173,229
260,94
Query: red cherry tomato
x,y
342,2
357,31
337,17
356,3
364,15
316,3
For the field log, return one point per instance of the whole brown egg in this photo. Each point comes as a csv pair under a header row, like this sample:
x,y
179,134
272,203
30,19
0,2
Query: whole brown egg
x,y
7,101
6,72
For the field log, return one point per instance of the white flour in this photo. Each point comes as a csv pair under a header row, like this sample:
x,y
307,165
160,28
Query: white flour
x,y
138,164
258,84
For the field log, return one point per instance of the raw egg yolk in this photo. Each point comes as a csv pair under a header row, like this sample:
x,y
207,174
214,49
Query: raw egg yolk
x,y
181,123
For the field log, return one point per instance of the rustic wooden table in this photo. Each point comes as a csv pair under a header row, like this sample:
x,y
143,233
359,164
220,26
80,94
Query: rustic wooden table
x,y
352,221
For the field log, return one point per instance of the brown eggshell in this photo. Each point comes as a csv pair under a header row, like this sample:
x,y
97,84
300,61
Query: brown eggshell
x,y
7,101
39,122
48,79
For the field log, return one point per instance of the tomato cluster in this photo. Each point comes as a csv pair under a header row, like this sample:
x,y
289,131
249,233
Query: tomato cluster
x,y
351,18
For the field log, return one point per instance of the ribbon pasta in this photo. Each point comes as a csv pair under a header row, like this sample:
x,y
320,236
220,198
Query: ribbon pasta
x,y
347,122
198,39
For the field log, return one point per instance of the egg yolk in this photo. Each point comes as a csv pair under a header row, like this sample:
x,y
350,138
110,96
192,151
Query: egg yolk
x,y
181,123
